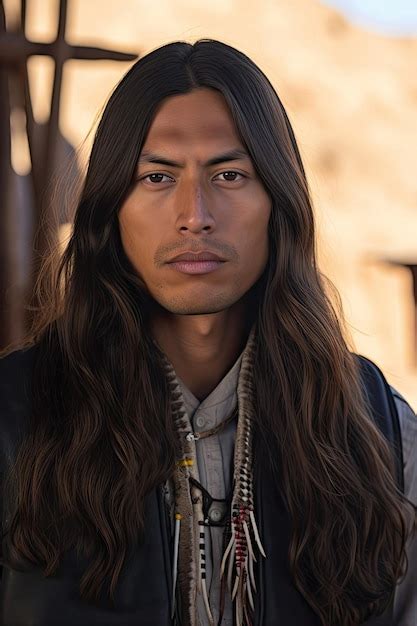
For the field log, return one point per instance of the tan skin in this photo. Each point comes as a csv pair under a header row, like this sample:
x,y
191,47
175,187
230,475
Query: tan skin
x,y
200,321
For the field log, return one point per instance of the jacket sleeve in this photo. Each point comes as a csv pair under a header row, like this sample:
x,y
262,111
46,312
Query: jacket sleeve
x,y
405,600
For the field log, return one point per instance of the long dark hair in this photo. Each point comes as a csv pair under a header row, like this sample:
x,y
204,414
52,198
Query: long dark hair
x,y
100,436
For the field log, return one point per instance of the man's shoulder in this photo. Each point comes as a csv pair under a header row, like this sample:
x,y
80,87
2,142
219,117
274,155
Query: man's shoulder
x,y
407,418
15,394
408,426
15,371
390,411
407,421
19,357
403,406
405,412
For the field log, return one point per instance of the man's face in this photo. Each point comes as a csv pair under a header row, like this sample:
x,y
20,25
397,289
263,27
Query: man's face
x,y
183,203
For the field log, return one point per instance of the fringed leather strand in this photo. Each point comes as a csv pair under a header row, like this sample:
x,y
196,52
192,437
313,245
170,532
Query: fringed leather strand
x,y
178,518
240,553
203,574
244,543
187,552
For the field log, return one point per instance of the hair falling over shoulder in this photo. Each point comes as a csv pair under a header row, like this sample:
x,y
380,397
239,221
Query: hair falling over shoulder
x,y
100,436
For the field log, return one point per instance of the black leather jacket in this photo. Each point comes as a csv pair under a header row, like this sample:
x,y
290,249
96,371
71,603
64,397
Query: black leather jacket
x,y
143,593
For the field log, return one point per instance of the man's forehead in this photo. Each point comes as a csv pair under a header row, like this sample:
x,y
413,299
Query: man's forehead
x,y
203,111
198,123
169,158
182,128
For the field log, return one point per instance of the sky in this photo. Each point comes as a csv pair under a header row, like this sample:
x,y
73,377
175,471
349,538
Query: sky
x,y
393,17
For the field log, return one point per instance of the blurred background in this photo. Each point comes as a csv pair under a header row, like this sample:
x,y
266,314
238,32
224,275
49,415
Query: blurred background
x,y
346,71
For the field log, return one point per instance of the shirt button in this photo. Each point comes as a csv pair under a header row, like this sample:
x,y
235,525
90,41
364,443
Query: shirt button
x,y
215,515
200,421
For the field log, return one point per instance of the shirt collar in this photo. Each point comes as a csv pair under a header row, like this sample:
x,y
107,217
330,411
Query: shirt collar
x,y
220,395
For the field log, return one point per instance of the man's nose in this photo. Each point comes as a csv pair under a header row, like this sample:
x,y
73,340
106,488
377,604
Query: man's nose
x,y
193,209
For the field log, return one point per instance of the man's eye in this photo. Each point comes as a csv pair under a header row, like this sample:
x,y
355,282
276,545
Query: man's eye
x,y
157,178
230,176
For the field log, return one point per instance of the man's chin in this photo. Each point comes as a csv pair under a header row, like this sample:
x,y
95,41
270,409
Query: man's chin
x,y
194,306
192,309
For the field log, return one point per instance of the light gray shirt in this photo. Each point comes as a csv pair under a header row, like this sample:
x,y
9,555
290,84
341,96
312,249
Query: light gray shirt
x,y
215,458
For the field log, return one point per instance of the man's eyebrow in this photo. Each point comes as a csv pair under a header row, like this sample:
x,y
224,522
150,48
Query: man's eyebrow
x,y
231,155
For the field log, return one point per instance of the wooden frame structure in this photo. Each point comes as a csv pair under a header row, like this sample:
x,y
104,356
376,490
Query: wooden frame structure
x,y
22,241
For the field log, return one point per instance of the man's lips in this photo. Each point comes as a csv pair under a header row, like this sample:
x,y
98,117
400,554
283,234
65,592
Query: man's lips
x,y
202,262
204,255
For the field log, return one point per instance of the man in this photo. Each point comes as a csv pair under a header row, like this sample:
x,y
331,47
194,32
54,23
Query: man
x,y
188,438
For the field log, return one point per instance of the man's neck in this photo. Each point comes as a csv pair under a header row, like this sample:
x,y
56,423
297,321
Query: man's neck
x,y
202,348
